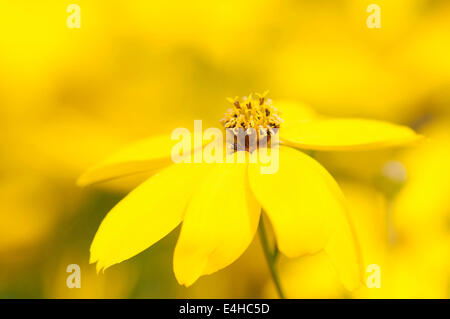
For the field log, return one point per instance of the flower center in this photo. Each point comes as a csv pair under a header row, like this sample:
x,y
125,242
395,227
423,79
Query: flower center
x,y
252,115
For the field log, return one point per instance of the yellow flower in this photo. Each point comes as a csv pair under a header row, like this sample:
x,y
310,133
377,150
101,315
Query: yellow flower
x,y
421,210
219,204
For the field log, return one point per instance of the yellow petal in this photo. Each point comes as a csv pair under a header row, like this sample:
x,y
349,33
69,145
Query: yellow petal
x,y
301,200
219,224
344,253
146,155
346,134
421,209
308,212
146,215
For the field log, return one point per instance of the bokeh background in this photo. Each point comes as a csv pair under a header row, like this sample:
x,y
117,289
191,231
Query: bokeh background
x,y
70,97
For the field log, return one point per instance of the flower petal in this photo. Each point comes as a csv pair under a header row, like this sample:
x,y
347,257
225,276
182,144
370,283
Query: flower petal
x,y
146,155
219,224
146,215
344,253
308,212
301,200
346,134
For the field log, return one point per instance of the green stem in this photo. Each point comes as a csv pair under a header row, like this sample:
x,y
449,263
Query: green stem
x,y
271,258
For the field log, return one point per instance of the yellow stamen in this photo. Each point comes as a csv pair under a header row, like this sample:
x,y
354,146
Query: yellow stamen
x,y
252,112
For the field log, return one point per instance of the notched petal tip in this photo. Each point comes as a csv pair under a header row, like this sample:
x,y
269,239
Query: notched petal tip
x,y
99,269
99,265
186,270
185,283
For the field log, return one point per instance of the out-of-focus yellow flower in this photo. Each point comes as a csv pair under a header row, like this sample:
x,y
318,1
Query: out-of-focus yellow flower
x,y
220,204
112,285
28,225
418,257
325,81
422,208
226,26
359,77
425,54
363,166
413,271
417,262
28,211
39,48
406,271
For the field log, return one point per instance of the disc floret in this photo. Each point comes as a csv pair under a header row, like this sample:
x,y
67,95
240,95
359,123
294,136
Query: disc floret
x,y
252,114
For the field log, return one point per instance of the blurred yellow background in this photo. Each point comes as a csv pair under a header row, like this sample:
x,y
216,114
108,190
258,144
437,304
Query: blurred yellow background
x,y
69,97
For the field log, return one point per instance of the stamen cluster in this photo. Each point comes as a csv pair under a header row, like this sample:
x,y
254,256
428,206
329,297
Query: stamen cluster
x,y
251,114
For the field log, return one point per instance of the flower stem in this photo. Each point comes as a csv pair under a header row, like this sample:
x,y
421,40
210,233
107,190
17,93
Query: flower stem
x,y
271,258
